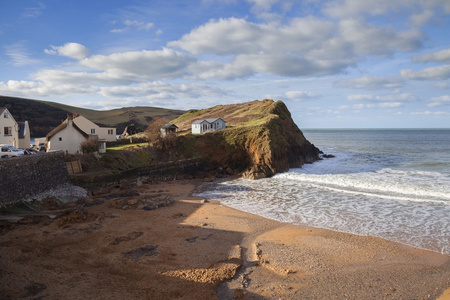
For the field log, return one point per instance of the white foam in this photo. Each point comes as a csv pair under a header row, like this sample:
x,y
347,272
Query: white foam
x,y
404,206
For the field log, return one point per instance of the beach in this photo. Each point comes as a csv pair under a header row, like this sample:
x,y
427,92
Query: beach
x,y
146,240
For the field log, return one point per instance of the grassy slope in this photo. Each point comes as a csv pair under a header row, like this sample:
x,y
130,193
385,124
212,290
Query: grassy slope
x,y
242,114
43,116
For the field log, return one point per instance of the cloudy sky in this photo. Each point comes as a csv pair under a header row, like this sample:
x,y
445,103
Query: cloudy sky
x,y
335,63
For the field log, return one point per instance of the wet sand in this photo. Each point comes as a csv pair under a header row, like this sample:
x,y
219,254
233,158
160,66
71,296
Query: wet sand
x,y
156,241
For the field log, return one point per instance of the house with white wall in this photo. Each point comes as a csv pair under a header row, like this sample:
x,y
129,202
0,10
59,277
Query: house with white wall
x,y
9,129
66,137
106,134
207,125
75,130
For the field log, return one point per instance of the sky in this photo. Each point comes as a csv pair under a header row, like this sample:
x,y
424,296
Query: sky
x,y
334,63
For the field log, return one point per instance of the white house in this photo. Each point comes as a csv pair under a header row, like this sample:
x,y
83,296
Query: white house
x,y
75,130
106,134
66,137
9,129
207,125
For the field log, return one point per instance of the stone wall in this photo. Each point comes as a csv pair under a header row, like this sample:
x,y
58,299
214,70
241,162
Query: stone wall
x,y
28,175
186,168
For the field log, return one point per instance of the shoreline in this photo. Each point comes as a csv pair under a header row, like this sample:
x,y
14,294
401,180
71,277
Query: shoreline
x,y
113,245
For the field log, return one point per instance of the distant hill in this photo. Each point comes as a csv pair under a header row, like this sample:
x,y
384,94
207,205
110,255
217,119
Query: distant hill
x,y
43,116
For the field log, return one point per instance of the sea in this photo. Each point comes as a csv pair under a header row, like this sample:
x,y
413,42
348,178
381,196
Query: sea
x,y
389,183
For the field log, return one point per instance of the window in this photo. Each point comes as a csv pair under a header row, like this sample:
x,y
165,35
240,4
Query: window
x,y
93,131
8,130
5,115
60,139
110,131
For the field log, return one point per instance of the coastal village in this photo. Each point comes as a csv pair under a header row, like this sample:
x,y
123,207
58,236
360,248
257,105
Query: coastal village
x,y
70,135
141,232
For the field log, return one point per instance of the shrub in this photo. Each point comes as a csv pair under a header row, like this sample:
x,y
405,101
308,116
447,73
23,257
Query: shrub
x,y
90,146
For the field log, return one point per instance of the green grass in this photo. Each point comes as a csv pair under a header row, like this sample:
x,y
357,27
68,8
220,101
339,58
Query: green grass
x,y
123,147
188,115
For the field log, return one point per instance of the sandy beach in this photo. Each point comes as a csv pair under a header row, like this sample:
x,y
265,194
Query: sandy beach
x,y
156,241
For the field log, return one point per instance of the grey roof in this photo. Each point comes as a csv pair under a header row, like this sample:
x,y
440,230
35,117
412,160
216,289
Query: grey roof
x,y
211,120
199,121
170,126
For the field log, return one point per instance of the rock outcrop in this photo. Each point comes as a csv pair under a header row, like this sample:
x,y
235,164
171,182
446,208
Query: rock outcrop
x,y
262,139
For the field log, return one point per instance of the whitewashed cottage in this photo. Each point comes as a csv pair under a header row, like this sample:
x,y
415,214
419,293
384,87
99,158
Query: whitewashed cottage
x,y
207,125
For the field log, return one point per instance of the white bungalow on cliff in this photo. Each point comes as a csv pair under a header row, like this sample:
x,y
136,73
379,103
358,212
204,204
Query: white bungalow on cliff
x,y
207,125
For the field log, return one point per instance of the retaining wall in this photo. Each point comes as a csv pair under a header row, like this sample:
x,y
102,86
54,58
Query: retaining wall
x,y
28,175
159,172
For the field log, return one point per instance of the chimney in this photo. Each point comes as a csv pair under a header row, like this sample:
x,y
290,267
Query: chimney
x,y
70,119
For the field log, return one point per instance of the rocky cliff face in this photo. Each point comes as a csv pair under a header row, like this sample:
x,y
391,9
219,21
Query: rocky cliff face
x,y
262,139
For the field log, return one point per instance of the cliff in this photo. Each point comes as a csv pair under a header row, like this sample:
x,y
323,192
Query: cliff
x,y
261,139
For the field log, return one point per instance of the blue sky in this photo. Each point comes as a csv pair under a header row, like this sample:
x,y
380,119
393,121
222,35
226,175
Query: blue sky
x,y
335,63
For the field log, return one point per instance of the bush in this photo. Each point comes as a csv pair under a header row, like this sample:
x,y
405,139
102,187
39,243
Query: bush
x,y
90,146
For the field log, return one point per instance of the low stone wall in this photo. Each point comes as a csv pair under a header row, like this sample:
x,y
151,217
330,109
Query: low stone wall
x,y
28,175
159,172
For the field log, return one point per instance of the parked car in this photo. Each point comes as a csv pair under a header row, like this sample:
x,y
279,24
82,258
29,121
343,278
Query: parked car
x,y
9,150
31,151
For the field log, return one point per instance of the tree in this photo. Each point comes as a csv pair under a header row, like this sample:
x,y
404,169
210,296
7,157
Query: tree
x,y
167,143
153,130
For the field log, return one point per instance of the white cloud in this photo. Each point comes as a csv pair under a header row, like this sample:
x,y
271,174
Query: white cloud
x,y
358,97
395,98
432,73
439,101
371,82
304,47
300,95
422,18
270,10
352,8
357,8
39,89
19,55
141,65
430,113
161,90
373,40
72,50
390,104
439,56
443,85
142,92
33,11
223,37
132,24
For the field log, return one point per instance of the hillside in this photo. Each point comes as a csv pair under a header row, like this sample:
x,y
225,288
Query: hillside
x,y
43,116
261,139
